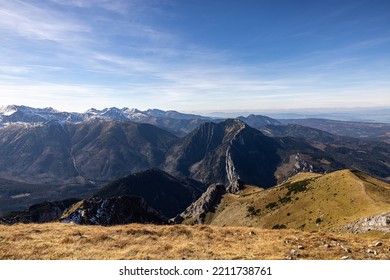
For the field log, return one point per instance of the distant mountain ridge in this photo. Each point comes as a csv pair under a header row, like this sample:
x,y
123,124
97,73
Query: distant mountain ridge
x,y
178,123
16,113
181,123
362,130
172,121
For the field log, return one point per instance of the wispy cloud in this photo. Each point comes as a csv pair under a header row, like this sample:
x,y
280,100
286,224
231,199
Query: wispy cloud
x,y
118,6
34,22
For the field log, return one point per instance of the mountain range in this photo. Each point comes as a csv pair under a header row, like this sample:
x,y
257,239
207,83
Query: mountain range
x,y
181,124
15,113
166,157
173,121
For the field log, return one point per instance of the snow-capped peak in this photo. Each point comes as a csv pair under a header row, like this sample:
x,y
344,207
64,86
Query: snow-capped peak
x,y
25,114
8,110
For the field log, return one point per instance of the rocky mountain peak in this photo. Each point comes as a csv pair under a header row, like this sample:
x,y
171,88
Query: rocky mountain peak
x,y
8,110
223,132
224,152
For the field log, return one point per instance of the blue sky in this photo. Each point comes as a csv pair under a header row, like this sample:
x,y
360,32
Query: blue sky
x,y
195,55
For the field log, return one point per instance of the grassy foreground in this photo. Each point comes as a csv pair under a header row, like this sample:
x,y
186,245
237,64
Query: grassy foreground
x,y
68,241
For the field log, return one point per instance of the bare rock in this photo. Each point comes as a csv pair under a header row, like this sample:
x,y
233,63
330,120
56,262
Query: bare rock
x,y
380,222
370,251
208,202
345,248
235,186
294,252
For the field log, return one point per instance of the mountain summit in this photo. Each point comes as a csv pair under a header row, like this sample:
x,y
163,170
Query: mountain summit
x,y
224,152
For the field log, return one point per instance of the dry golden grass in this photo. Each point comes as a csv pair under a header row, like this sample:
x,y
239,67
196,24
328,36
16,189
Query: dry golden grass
x,y
334,199
68,241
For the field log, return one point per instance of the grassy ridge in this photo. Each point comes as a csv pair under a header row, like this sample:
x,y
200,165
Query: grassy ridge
x,y
310,202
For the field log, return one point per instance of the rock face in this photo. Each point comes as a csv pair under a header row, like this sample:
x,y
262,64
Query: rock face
x,y
379,222
39,213
208,202
111,211
235,186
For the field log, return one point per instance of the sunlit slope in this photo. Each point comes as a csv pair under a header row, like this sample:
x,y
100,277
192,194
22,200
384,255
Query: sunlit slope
x,y
307,201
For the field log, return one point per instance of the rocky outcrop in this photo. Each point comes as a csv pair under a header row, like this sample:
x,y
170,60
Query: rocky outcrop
x,y
39,213
379,222
208,202
112,211
301,165
235,186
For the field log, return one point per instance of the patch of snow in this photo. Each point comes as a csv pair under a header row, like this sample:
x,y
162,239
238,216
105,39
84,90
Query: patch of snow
x,y
76,219
100,211
8,110
22,195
